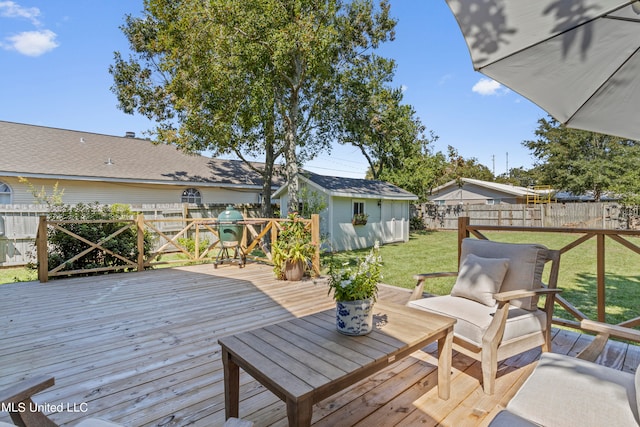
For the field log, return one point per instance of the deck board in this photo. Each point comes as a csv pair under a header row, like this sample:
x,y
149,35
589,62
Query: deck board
x,y
141,349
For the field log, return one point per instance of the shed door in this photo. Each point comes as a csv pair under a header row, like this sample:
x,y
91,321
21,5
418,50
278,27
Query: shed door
x,y
393,219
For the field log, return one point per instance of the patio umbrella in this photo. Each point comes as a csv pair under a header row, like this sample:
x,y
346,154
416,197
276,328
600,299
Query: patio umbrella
x,y
577,59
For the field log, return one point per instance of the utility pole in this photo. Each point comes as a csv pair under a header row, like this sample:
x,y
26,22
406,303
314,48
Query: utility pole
x,y
493,160
508,173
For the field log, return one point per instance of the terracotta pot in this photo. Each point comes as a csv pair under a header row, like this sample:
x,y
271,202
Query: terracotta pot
x,y
293,270
354,317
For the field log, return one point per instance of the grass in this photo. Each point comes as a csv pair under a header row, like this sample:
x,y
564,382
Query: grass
x,y
437,251
17,274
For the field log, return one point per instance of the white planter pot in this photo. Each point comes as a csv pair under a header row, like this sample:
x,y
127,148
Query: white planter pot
x,y
354,317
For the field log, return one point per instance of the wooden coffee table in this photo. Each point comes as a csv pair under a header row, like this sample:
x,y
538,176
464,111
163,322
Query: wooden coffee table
x,y
305,360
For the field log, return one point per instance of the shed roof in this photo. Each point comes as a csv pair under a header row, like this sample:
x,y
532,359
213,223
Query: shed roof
x,y
353,187
45,152
503,188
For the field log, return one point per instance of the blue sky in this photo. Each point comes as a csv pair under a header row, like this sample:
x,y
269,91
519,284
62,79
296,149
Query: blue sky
x,y
55,56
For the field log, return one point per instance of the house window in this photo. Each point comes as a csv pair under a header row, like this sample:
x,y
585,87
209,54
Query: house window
x,y
5,194
493,201
440,202
191,195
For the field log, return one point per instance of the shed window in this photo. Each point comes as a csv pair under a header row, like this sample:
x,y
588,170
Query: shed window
x,y
358,207
5,194
191,195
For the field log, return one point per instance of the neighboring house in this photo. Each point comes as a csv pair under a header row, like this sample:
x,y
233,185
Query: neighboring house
x,y
474,191
386,205
91,167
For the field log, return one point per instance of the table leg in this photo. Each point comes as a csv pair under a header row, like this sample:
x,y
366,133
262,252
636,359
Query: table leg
x,y
231,385
299,413
445,350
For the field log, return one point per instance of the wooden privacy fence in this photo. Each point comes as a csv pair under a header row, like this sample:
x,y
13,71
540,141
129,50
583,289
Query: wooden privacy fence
x,y
167,235
465,229
604,215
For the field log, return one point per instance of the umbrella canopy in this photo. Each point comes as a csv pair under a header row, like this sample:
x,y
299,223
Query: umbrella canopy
x,y
577,59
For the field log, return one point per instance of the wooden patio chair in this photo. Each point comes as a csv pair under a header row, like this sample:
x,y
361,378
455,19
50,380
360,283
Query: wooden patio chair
x,y
573,391
495,301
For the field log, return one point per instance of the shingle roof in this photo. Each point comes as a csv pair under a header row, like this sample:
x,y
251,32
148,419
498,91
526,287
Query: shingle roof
x,y
30,151
505,188
354,187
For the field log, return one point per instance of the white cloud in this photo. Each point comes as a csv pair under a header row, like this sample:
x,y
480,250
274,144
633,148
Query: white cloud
x,y
403,88
488,87
9,9
32,43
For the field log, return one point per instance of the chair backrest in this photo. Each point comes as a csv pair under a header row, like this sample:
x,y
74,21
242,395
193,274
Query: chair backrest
x,y
526,264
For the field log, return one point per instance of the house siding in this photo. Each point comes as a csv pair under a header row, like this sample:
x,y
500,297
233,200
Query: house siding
x,y
472,194
126,193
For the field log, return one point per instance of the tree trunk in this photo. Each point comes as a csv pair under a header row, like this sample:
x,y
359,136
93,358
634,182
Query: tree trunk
x,y
267,174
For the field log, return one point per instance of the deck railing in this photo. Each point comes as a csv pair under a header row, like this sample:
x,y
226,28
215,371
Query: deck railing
x,y
167,235
465,229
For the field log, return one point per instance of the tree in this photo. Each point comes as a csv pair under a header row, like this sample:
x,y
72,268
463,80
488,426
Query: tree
x,y
252,77
581,161
458,167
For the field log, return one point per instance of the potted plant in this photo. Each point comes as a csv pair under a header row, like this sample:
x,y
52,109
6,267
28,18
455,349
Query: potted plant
x,y
355,289
359,219
293,250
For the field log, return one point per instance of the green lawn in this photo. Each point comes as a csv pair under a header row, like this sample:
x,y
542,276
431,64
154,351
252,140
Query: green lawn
x,y
436,251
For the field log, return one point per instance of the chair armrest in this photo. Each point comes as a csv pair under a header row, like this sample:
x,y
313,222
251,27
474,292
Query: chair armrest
x,y
604,331
425,276
25,389
419,288
524,293
613,330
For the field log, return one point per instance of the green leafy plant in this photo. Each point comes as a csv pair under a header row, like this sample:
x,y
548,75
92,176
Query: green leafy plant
x,y
356,281
189,244
63,246
293,244
360,219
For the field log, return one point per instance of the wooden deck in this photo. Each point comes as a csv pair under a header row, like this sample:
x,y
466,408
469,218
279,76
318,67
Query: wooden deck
x,y
141,349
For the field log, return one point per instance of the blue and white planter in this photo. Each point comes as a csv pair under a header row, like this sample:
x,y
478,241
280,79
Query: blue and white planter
x,y
354,317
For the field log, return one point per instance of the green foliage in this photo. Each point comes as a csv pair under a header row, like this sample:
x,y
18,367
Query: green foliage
x,y
190,244
581,161
352,281
416,223
360,219
293,244
63,246
251,77
312,202
41,196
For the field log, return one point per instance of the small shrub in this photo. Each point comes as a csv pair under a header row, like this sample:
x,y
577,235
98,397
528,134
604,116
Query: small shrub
x,y
63,246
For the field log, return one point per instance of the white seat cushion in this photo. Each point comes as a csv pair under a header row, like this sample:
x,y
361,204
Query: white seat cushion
x,y
474,318
566,391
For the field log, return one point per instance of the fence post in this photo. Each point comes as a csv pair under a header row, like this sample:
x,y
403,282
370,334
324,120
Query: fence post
x,y
600,273
41,249
140,231
463,222
315,239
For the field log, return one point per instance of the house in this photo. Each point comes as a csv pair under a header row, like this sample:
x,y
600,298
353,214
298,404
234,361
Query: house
x,y
474,191
90,167
385,205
